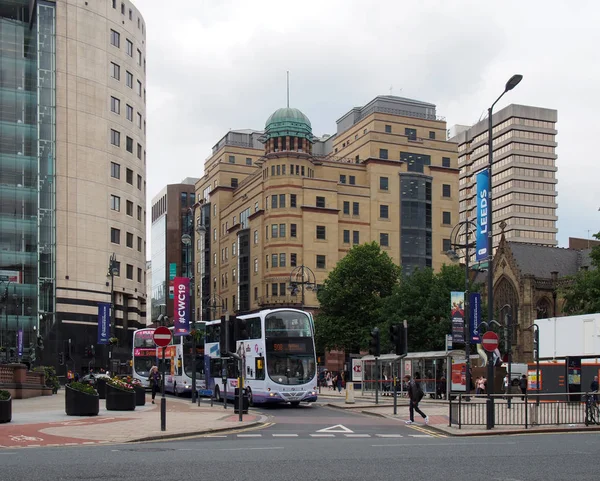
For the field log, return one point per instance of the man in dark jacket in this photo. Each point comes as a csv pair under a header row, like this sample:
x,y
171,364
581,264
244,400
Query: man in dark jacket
x,y
523,385
415,394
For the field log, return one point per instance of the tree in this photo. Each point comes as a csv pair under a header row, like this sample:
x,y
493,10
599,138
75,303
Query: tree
x,y
423,299
351,297
582,295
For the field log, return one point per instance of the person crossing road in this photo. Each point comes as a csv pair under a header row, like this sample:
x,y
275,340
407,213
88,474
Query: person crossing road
x,y
415,394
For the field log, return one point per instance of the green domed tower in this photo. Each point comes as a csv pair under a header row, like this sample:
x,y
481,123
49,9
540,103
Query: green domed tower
x,y
288,129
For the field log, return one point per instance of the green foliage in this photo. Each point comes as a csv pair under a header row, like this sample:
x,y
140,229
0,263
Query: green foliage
x,y
351,295
582,296
83,387
50,377
4,395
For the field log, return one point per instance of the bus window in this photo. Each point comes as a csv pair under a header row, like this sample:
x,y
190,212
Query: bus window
x,y
213,333
260,368
253,328
215,367
232,370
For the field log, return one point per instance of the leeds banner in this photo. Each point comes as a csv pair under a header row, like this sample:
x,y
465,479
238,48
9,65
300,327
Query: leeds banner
x,y
481,248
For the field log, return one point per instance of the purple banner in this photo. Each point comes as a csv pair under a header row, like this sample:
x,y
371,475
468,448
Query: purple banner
x,y
20,343
474,316
103,322
181,306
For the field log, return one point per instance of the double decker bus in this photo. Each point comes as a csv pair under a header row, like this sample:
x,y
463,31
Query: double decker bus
x,y
278,358
178,365
144,355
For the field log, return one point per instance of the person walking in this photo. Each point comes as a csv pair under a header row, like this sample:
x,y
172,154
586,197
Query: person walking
x,y
523,386
154,379
415,394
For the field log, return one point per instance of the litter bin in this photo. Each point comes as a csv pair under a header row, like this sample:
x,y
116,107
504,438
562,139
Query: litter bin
x,y
236,401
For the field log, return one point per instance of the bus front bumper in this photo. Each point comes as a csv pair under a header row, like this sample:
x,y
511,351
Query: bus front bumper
x,y
292,396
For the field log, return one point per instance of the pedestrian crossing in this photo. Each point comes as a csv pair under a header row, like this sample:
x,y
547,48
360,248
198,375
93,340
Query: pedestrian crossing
x,y
325,435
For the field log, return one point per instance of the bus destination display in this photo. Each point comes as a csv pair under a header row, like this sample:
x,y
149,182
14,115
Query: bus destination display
x,y
288,346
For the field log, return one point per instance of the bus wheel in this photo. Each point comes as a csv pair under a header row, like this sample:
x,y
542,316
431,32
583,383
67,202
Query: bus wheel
x,y
295,403
217,394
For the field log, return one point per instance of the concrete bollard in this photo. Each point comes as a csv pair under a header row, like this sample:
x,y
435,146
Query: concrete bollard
x,y
350,393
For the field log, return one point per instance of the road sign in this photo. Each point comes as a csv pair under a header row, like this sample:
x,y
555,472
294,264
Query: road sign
x,y
490,341
162,336
357,370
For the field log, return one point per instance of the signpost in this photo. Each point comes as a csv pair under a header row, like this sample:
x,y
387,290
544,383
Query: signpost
x,y
162,338
490,341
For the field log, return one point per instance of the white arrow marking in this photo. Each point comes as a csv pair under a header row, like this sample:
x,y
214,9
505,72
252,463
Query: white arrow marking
x,y
338,428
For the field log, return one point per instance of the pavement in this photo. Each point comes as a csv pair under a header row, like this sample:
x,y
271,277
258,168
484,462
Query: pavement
x,y
42,421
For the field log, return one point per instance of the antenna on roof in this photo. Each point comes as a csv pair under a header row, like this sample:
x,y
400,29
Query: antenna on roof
x,y
288,89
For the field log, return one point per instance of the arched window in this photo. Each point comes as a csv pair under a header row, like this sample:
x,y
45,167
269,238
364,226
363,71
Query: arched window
x,y
543,308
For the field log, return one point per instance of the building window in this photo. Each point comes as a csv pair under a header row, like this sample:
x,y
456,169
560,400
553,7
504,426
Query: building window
x,y
355,208
129,176
352,180
293,260
292,230
129,48
234,182
256,237
115,137
115,235
139,88
115,203
282,260
139,151
122,8
139,213
274,202
346,237
129,144
446,245
321,262
355,237
129,271
234,249
115,38
114,3
274,231
281,201
446,218
446,191
139,120
115,71
383,154
411,133
139,246
139,182
232,159
274,289
233,275
139,52
383,211
415,162
320,201
342,179
321,232
346,209
384,239
129,79
281,230
445,161
129,208
384,183
388,129
274,259
293,200
129,112
130,240
432,135
215,259
139,279
115,170
256,264
248,161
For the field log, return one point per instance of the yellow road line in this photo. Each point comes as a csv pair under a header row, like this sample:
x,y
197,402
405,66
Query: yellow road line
x,y
427,431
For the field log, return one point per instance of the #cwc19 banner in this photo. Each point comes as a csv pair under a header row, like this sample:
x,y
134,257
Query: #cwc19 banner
x,y
457,304
481,241
181,306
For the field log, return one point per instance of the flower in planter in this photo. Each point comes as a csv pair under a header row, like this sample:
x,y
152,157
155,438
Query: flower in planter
x,y
120,384
4,395
84,387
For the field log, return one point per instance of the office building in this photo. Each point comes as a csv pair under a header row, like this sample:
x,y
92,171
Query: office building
x,y
73,169
524,172
273,202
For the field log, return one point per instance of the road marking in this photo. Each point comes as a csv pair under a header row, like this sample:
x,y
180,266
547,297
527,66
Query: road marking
x,y
357,435
389,435
249,435
338,428
89,442
250,449
70,444
215,436
285,435
323,435
420,435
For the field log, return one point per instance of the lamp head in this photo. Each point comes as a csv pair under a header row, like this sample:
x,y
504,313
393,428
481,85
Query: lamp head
x,y
513,82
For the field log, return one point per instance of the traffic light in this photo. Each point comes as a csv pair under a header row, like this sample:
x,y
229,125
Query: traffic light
x,y
374,348
397,338
93,350
61,358
226,340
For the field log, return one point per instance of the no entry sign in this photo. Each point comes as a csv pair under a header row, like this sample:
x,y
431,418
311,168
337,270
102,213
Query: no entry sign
x,y
490,341
162,336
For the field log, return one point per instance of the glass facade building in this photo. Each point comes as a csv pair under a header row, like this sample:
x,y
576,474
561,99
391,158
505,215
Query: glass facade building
x,y
27,172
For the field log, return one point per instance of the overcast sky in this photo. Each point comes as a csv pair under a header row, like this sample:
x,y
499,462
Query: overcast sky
x,y
215,65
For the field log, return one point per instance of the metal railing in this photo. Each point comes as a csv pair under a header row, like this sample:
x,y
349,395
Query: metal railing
x,y
526,410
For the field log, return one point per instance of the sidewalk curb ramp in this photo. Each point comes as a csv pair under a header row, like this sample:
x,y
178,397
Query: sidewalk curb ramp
x,y
203,432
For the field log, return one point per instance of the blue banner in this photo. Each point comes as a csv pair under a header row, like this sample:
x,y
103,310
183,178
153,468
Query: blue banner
x,y
481,248
103,322
474,316
20,343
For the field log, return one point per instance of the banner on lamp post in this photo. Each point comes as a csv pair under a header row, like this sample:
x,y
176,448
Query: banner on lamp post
x,y
474,316
20,343
457,304
481,241
103,322
182,306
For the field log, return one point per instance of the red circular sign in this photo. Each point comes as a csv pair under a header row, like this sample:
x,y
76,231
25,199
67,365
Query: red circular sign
x,y
162,336
490,341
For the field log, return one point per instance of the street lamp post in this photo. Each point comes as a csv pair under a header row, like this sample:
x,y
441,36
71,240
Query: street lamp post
x,y
215,302
113,270
511,84
302,276
468,225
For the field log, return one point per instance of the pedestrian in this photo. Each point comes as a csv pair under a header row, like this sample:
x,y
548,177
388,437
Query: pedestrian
x,y
339,382
506,386
415,394
594,387
523,386
154,379
480,385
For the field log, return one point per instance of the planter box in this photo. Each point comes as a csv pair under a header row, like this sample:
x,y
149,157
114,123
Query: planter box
x,y
118,400
101,387
78,403
6,410
140,396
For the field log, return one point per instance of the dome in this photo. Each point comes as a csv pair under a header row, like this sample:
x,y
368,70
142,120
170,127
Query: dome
x,y
288,121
